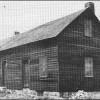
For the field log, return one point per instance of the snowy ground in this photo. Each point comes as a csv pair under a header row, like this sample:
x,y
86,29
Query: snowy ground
x,y
32,94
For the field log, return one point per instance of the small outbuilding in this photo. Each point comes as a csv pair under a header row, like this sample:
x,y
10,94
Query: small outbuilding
x,y
62,55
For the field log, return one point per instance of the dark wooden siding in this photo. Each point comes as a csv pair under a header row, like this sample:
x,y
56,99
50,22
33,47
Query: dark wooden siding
x,y
73,48
14,57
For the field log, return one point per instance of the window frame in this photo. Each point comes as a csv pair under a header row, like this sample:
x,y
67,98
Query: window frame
x,y
88,27
89,67
41,73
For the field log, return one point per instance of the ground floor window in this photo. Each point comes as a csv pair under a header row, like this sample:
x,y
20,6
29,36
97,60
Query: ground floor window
x,y
42,67
40,62
88,67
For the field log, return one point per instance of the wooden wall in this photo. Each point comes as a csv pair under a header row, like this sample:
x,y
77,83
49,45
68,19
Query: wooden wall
x,y
13,71
68,53
73,48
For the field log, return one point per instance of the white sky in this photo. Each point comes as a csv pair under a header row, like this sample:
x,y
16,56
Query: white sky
x,y
24,15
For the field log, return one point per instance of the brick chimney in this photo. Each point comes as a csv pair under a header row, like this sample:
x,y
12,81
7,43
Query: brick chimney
x,y
16,33
90,5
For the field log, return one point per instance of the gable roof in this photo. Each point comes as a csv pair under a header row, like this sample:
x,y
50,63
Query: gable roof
x,y
48,30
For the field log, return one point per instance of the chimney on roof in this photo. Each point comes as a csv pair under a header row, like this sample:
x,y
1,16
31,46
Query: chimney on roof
x,y
90,5
16,33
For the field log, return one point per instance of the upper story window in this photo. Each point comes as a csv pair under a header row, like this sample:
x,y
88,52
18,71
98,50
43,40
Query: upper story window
x,y
88,67
88,27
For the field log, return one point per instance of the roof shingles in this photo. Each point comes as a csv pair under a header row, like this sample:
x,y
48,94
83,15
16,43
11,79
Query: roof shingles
x,y
48,30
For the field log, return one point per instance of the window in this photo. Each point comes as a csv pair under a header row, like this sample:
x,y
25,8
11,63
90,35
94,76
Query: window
x,y
43,67
88,67
4,63
88,27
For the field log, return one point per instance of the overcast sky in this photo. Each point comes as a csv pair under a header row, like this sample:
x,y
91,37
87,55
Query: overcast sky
x,y
24,15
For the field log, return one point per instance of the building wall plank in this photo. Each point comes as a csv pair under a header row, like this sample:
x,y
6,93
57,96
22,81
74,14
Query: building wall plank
x,y
30,51
73,47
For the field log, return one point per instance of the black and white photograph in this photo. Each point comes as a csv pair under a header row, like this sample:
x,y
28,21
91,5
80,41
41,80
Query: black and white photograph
x,y
49,50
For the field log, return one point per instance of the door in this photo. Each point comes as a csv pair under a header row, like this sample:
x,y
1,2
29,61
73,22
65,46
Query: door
x,y
25,73
3,72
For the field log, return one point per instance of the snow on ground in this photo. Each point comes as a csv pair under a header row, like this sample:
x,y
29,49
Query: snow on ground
x,y
17,94
85,95
26,93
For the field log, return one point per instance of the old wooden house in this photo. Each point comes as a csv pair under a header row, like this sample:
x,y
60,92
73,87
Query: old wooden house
x,y
61,55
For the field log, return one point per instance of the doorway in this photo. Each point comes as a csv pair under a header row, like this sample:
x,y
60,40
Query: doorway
x,y
3,72
25,74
